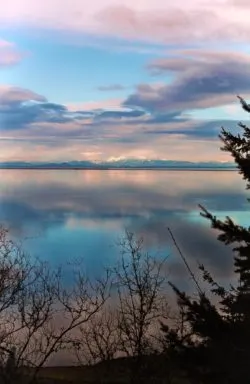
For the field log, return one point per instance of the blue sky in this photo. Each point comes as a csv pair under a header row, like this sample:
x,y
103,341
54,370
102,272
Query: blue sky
x,y
117,79
73,72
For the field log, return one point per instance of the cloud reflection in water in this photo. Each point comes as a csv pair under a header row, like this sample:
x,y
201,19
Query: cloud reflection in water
x,y
71,214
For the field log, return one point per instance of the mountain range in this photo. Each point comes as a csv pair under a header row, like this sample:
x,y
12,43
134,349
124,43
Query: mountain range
x,y
118,164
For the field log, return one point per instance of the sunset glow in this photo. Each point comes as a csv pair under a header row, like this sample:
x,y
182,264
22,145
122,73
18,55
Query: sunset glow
x,y
105,79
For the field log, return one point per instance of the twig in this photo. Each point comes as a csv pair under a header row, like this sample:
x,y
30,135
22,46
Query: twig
x,y
186,263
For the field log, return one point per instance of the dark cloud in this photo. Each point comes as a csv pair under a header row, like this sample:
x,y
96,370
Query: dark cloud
x,y
21,115
201,80
184,60
20,108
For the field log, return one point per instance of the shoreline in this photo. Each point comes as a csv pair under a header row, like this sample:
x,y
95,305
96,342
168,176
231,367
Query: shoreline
x,y
118,169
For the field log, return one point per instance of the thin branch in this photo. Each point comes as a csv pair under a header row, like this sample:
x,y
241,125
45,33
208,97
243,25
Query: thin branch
x,y
186,263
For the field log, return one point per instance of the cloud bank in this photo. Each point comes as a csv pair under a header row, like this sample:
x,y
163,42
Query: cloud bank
x,y
158,120
150,20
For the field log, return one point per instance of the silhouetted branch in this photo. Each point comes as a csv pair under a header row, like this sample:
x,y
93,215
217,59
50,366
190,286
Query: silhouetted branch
x,y
186,263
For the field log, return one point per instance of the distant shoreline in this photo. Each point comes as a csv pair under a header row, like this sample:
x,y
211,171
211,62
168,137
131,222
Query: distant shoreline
x,y
120,169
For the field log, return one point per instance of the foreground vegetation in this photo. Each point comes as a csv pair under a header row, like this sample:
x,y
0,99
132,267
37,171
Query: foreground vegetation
x,y
120,328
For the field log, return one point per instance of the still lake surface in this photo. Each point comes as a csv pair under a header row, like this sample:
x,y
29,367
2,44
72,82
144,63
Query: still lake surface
x,y
62,215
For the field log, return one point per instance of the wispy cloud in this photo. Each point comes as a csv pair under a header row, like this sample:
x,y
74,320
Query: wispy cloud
x,y
111,87
9,54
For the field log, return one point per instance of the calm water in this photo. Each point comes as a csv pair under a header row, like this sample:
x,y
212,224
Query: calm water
x,y
64,215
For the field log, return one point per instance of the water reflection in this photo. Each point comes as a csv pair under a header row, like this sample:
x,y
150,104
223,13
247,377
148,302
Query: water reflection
x,y
67,214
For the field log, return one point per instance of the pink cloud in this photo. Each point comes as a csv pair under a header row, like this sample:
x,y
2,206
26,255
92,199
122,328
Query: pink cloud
x,y
10,94
149,20
239,3
194,21
165,25
191,59
96,104
9,55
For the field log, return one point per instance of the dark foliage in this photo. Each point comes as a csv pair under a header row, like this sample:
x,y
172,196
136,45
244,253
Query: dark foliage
x,y
214,344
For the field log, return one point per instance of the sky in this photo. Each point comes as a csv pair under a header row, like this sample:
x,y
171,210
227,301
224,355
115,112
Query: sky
x,y
105,80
